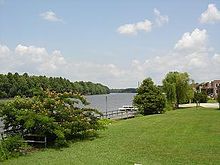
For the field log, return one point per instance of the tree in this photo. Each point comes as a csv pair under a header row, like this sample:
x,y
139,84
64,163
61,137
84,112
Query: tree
x,y
149,98
177,88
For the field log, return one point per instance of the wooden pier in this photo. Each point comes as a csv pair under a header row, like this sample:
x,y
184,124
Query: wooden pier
x,y
119,114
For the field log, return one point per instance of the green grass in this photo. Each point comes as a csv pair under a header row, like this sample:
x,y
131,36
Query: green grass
x,y
185,136
212,101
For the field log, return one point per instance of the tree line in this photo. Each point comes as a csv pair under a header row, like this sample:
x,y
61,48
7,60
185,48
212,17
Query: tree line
x,y
126,90
24,85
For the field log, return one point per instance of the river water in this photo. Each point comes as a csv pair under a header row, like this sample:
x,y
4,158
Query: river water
x,y
114,101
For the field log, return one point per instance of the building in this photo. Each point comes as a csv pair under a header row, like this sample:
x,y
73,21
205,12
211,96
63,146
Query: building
x,y
211,88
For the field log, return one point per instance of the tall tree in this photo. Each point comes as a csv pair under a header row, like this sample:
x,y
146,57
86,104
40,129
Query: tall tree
x,y
149,98
177,87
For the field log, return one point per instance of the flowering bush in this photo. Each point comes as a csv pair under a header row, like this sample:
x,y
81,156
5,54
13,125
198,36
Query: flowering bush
x,y
51,114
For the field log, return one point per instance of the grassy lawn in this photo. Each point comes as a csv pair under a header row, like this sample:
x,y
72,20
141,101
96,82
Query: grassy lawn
x,y
186,136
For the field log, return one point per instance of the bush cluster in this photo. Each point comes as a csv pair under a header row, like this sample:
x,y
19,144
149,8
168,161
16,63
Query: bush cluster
x,y
51,114
200,97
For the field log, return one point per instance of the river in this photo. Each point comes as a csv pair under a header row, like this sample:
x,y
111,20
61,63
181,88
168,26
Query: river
x,y
114,101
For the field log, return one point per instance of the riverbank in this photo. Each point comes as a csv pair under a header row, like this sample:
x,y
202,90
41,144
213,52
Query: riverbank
x,y
185,136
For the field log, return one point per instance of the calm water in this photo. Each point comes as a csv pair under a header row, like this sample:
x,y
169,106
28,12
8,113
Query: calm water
x,y
114,101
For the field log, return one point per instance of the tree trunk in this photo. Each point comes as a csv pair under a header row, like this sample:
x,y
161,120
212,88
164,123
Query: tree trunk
x,y
177,105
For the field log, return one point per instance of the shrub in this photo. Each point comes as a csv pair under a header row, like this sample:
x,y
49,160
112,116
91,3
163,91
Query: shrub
x,y
52,114
12,146
200,97
168,106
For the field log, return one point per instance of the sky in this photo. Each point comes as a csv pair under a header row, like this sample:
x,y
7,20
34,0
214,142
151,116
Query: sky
x,y
117,43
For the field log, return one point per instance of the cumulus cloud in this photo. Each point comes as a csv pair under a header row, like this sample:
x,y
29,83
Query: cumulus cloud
x,y
53,62
50,16
196,40
34,53
37,60
145,25
160,19
190,54
211,15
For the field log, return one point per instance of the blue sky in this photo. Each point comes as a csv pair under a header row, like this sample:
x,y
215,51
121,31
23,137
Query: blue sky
x,y
117,43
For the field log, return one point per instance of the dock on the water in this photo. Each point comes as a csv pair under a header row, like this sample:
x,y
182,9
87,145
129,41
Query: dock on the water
x,y
119,114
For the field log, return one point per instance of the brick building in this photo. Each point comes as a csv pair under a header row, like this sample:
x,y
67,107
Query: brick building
x,y
211,88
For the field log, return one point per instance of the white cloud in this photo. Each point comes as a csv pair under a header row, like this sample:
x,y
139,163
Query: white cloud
x,y
127,29
20,49
160,19
30,53
190,54
145,25
37,60
4,51
211,15
192,41
50,16
53,62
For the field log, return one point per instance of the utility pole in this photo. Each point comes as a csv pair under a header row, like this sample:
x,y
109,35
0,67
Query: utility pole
x,y
106,105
